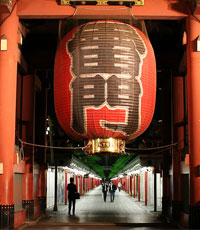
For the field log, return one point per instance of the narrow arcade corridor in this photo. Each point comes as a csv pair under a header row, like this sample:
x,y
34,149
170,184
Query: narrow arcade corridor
x,y
93,213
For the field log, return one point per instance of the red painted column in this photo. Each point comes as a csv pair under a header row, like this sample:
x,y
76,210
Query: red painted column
x,y
138,187
128,184
8,85
65,186
90,183
81,185
146,188
178,117
77,182
27,135
42,187
193,80
84,185
131,185
134,186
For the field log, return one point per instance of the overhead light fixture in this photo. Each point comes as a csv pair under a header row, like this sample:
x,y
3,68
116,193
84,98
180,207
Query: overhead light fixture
x,y
109,3
198,43
128,3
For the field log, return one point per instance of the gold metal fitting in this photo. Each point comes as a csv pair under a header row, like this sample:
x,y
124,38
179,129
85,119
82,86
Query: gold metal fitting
x,y
105,145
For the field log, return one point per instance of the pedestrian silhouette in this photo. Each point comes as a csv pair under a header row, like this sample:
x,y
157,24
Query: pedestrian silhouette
x,y
104,190
112,189
72,190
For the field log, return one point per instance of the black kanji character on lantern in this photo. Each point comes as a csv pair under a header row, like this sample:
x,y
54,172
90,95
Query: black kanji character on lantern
x,y
106,68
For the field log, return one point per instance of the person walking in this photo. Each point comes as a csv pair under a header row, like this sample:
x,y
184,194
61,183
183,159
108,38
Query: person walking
x,y
119,186
112,189
72,190
104,190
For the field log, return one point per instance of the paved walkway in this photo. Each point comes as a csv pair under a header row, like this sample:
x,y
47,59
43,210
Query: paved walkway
x,y
92,212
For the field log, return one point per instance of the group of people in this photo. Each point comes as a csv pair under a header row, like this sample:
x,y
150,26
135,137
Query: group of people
x,y
106,187
111,188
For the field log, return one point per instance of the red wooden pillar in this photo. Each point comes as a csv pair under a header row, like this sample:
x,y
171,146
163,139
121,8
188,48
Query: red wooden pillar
x,y
146,188
77,182
131,185
8,85
42,187
27,135
81,185
84,185
65,186
193,80
87,184
138,187
128,184
178,117
90,183
40,125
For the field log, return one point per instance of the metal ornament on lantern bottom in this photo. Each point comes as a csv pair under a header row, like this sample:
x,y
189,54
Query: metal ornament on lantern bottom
x,y
109,145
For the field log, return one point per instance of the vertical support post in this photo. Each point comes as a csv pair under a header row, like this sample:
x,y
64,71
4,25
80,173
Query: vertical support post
x,y
65,186
55,208
146,188
134,186
8,85
81,185
77,183
178,118
131,187
41,188
193,80
138,187
27,132
155,189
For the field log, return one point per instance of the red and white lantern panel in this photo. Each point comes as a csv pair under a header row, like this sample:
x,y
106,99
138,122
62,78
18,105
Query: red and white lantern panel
x,y
105,81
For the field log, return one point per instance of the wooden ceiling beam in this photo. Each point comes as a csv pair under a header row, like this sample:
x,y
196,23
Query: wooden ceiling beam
x,y
5,6
152,9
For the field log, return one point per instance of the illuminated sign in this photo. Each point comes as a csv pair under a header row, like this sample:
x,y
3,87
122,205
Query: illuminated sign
x,y
102,2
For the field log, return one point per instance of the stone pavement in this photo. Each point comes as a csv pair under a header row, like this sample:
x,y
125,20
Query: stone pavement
x,y
92,212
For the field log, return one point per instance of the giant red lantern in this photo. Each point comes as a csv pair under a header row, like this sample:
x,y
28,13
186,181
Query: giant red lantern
x,y
105,84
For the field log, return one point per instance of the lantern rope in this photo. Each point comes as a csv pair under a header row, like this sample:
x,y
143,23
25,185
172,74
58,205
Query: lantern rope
x,y
153,148
48,146
164,147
